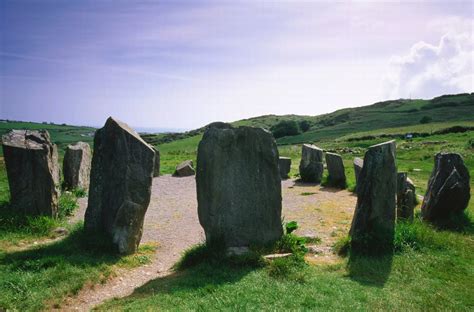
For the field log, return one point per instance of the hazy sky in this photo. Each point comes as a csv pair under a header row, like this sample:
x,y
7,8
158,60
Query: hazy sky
x,y
183,64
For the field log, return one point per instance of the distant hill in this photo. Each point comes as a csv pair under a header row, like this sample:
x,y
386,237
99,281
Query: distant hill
x,y
437,113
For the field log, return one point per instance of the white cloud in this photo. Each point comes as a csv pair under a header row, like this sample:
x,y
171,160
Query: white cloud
x,y
431,70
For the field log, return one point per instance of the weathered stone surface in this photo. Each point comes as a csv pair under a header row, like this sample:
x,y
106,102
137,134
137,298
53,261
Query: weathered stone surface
x,y
156,169
406,197
120,188
311,165
33,172
372,228
77,166
239,186
358,164
448,189
284,163
337,176
184,169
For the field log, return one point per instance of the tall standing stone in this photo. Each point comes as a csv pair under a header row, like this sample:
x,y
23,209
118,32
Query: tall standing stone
x,y
239,186
406,197
120,188
284,163
358,164
156,169
33,172
311,165
335,166
77,166
373,224
448,190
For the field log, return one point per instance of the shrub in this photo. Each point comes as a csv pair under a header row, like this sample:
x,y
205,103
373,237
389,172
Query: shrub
x,y
304,125
426,119
285,128
67,204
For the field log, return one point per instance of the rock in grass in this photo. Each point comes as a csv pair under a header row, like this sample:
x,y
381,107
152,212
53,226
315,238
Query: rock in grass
x,y
358,164
311,165
184,169
373,224
448,190
156,169
33,172
335,166
120,188
406,197
239,187
284,163
77,166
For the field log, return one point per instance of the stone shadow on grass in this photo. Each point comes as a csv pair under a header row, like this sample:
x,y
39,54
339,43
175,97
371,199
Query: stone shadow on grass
x,y
300,182
370,270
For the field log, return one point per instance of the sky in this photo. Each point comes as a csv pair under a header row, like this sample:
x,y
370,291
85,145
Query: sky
x,y
184,64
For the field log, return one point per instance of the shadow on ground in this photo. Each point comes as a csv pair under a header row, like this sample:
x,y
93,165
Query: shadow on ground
x,y
370,271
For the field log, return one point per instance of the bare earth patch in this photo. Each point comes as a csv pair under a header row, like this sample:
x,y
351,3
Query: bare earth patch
x,y
171,223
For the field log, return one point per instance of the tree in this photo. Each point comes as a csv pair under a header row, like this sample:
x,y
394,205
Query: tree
x,y
304,125
285,128
426,119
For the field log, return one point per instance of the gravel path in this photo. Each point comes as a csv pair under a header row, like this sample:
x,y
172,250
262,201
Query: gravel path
x,y
171,222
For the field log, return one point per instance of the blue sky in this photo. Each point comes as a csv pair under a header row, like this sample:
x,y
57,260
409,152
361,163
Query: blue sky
x,y
183,64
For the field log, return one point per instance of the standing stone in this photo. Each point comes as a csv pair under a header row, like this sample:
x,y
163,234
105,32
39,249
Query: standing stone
x,y
77,166
33,172
120,188
311,165
358,164
373,224
156,169
284,163
184,169
406,197
239,187
448,190
335,165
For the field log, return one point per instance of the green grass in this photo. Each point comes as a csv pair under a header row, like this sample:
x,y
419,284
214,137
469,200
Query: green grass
x,y
40,277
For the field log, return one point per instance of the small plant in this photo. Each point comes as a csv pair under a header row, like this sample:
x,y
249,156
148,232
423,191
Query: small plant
x,y
470,143
67,204
79,192
307,193
291,227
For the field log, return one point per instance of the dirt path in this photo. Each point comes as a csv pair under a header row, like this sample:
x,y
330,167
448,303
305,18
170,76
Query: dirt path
x,y
172,223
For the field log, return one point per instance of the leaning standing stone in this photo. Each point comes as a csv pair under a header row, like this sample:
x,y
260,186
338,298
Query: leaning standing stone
x,y
120,188
335,165
373,224
406,197
448,190
311,165
33,172
358,164
77,166
284,163
239,187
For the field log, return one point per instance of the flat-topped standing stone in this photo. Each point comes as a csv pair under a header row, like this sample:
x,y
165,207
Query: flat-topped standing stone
x,y
406,197
239,187
335,166
184,169
373,224
311,165
284,163
358,164
448,190
156,169
33,172
120,188
77,166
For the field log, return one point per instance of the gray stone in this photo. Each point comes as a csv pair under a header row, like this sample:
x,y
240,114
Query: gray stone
x,y
406,197
184,169
358,164
448,189
335,165
311,165
239,187
156,169
373,224
32,167
284,163
77,166
120,188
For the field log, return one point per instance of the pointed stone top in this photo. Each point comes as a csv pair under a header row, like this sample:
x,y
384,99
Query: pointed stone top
x,y
392,142
112,122
312,146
